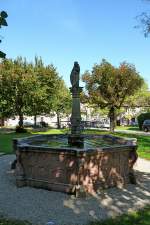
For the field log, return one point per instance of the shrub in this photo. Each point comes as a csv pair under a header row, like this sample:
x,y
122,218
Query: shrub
x,y
141,118
20,129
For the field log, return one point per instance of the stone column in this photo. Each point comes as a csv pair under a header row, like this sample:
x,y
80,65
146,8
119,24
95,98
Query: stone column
x,y
75,138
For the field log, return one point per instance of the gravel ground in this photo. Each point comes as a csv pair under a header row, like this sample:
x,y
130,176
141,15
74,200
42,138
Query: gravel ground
x,y
42,206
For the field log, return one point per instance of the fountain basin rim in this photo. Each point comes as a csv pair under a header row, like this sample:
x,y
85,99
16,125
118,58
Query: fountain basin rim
x,y
73,151
24,144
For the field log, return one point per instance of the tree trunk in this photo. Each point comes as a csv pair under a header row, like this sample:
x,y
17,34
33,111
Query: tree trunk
x,y
112,119
21,120
35,120
58,121
2,122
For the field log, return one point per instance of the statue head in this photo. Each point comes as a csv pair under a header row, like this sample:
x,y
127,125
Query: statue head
x,y
76,63
76,66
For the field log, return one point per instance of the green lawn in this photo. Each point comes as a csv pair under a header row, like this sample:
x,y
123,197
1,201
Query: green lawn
x,y
4,221
143,141
12,222
6,138
143,144
134,128
141,217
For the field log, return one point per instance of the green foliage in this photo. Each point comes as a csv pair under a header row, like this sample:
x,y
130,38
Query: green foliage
x,y
140,217
4,221
31,89
16,85
3,22
62,102
141,118
3,16
140,99
45,81
144,23
2,54
6,90
108,87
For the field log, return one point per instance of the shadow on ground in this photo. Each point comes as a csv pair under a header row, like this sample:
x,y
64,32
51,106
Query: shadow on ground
x,y
115,201
41,206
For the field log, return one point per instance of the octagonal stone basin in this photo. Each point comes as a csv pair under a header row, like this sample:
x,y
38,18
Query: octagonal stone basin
x,y
47,161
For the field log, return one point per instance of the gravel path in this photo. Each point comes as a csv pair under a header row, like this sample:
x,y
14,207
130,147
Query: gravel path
x,y
41,206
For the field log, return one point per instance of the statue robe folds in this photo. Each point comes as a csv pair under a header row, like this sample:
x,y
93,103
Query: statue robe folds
x,y
74,76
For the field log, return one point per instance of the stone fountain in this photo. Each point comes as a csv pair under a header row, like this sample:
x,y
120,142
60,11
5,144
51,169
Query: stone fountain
x,y
74,163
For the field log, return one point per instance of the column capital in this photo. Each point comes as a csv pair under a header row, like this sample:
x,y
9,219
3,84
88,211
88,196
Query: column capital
x,y
75,91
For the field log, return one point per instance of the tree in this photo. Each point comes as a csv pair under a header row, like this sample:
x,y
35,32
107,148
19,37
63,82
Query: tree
x,y
140,99
46,87
37,97
29,89
16,85
62,102
36,100
6,92
144,22
108,87
3,22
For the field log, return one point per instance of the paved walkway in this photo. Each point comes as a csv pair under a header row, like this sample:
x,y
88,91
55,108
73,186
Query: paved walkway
x,y
133,132
138,132
42,206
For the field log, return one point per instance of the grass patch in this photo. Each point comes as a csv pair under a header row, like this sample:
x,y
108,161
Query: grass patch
x,y
142,140
143,144
4,221
6,139
50,131
141,217
134,128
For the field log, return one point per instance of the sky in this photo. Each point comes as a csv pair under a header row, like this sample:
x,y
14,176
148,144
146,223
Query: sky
x,y
64,31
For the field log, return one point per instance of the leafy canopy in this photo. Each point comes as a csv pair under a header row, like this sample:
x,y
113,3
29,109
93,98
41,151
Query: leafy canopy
x,y
31,89
3,22
108,86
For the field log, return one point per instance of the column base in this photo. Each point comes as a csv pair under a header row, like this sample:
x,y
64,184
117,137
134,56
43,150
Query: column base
x,y
76,140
